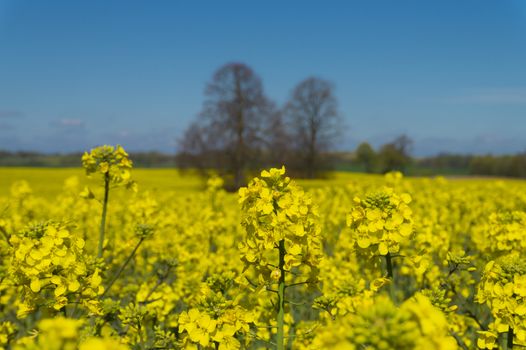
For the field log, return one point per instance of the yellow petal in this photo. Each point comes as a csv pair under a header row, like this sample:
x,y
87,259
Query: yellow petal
x,y
61,289
383,249
364,242
73,286
294,249
521,310
406,229
405,198
35,285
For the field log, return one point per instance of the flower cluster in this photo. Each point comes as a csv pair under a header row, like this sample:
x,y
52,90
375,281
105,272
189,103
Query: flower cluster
x,y
112,162
348,296
275,209
198,327
503,234
381,221
54,334
503,288
7,332
49,262
62,333
379,324
216,319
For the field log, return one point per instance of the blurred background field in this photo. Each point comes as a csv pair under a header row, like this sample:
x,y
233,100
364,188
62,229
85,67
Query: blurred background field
x,y
49,182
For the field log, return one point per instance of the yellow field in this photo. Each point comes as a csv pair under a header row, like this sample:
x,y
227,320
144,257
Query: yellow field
x,y
352,262
49,182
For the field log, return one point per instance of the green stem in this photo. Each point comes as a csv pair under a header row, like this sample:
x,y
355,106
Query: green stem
x,y
160,280
390,275
389,265
509,344
123,266
5,234
281,297
104,212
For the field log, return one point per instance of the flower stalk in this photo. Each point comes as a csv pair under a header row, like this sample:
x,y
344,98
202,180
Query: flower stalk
x,y
509,339
123,266
390,275
104,214
281,297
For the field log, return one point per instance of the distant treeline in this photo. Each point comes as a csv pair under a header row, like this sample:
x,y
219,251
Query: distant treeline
x,y
395,156
36,159
503,165
363,159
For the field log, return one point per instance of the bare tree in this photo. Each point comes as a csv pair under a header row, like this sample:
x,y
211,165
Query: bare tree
x,y
312,112
277,140
230,125
194,149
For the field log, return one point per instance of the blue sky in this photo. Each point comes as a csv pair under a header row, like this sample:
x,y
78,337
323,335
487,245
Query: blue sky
x,y
451,73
